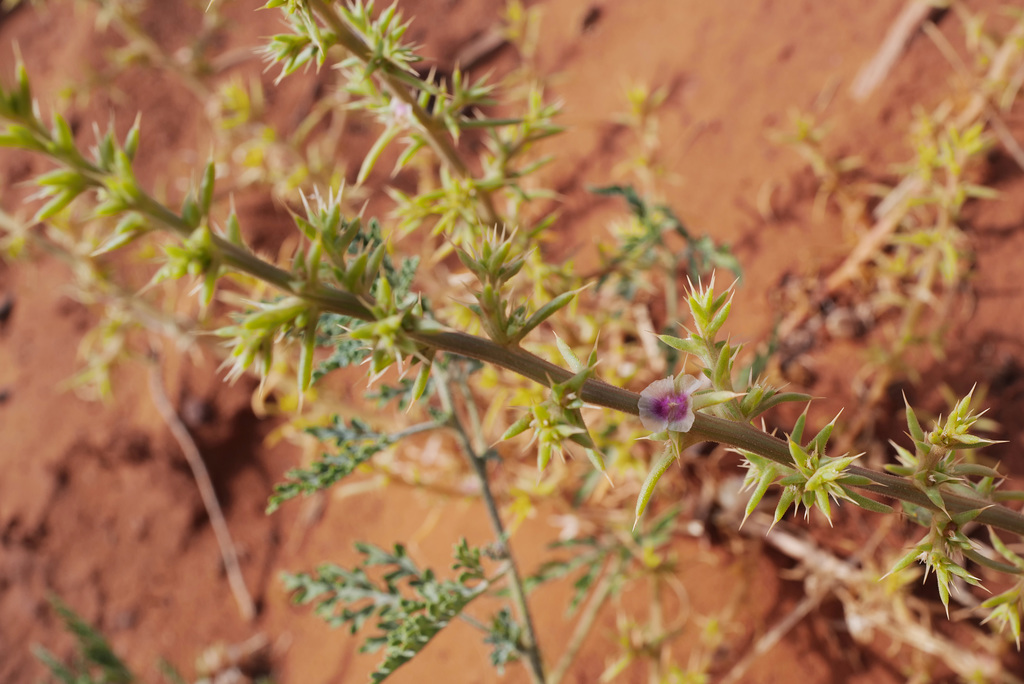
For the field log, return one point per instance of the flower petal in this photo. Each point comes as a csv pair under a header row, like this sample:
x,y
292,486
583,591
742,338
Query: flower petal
x,y
660,388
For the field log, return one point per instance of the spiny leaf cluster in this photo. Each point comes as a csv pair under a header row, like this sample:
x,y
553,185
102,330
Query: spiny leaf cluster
x,y
813,480
934,467
709,312
495,264
308,42
1007,606
333,329
559,418
936,464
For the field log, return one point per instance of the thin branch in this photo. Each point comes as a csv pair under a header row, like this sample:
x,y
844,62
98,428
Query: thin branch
x,y
246,606
901,31
594,391
535,665
769,639
1002,131
709,428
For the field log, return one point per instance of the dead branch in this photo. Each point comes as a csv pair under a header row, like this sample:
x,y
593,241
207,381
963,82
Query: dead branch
x,y
246,606
901,32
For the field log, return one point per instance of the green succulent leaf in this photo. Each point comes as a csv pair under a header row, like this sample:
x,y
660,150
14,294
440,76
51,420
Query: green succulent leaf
x,y
864,502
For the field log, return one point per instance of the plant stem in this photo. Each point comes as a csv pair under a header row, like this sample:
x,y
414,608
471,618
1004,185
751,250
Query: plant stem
x,y
530,646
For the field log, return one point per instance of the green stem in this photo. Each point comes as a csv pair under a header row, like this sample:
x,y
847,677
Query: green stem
x,y
531,647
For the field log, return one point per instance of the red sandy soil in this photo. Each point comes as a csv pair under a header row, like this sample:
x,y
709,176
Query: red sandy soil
x,y
98,507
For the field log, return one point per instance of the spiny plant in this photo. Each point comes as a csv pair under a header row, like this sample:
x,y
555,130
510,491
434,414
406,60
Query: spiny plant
x,y
348,289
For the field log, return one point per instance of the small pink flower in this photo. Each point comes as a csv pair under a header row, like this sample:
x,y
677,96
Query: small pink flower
x,y
666,404
401,112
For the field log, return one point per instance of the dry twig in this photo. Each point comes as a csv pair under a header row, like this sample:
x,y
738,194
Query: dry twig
x,y
829,575
901,31
202,476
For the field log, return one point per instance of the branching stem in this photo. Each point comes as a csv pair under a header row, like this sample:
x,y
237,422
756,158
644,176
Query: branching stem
x,y
431,128
512,357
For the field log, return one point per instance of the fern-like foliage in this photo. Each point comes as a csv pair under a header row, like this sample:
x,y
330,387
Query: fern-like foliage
x,y
356,443
410,605
505,638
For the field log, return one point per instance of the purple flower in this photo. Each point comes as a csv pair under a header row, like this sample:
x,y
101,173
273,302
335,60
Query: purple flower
x,y
666,404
